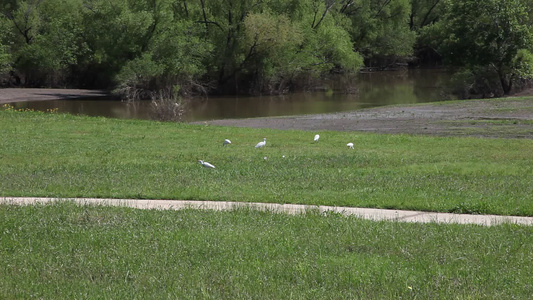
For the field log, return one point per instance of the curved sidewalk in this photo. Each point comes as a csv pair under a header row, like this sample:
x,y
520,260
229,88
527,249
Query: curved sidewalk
x,y
364,213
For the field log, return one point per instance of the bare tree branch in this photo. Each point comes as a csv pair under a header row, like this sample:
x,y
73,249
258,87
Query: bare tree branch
x,y
423,23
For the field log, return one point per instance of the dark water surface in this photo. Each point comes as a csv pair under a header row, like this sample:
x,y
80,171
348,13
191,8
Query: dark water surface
x,y
367,90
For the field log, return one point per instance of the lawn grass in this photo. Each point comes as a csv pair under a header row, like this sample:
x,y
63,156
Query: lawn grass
x,y
59,155
66,251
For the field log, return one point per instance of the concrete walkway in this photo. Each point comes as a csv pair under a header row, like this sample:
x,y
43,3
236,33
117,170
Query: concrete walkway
x,y
364,213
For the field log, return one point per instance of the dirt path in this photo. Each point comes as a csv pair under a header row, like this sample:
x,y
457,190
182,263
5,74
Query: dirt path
x,y
364,213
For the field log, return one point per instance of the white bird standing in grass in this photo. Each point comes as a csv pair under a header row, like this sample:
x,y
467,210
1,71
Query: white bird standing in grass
x,y
226,141
261,144
206,164
317,137
350,145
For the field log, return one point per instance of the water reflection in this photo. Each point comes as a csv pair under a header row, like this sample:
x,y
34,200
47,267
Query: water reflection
x,y
372,89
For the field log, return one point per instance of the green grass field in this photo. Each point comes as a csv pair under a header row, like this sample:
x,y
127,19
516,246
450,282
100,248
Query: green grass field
x,y
57,155
66,251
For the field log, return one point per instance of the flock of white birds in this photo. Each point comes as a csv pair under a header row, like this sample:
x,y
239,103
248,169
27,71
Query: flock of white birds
x,y
259,145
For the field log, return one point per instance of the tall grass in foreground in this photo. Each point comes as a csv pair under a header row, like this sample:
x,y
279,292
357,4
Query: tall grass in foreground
x,y
65,251
60,155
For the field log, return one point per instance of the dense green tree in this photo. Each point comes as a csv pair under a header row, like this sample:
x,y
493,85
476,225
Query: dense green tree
x,y
281,50
265,45
115,33
170,53
489,37
230,45
142,47
5,56
425,12
5,59
45,39
380,28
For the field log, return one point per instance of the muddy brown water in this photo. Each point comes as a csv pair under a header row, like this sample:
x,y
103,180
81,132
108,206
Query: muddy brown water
x,y
337,95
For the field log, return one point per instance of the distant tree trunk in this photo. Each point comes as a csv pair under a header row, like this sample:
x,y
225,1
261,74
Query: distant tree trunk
x,y
506,82
205,17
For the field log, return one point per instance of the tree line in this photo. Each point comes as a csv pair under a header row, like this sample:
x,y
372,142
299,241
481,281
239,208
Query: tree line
x,y
180,47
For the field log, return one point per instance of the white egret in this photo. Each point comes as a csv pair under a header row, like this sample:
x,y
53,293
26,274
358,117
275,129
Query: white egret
x,y
350,145
226,141
317,137
261,144
206,164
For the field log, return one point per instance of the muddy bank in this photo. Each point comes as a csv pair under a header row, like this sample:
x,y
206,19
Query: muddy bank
x,y
496,118
17,94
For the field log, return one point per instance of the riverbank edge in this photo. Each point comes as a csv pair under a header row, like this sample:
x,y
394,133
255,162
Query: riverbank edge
x,y
487,118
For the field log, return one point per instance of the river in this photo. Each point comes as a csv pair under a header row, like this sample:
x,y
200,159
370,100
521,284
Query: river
x,y
367,90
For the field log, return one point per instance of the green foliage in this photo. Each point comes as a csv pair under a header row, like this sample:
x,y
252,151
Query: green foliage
x,y
336,48
136,75
268,34
475,82
283,50
380,29
488,34
5,59
485,33
282,41
273,42
523,63
425,12
116,32
154,45
45,39
5,56
251,46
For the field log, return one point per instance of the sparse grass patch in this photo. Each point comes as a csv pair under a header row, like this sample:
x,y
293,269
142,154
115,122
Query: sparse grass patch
x,y
510,109
490,121
65,251
59,155
492,130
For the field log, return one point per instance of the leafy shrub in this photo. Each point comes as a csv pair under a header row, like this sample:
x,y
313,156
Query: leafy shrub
x,y
478,82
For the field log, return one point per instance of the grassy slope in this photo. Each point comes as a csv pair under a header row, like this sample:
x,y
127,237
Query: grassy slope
x,y
67,156
64,251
